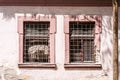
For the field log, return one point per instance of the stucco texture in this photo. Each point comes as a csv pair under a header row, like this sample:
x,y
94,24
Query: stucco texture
x,y
9,44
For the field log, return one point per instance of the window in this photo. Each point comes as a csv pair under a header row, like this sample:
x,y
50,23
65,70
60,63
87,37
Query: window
x,y
36,37
82,41
36,42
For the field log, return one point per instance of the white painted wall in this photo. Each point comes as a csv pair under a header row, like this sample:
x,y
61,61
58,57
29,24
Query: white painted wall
x,y
9,43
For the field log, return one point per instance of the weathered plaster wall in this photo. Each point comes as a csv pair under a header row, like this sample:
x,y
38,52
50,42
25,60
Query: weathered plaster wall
x,y
9,44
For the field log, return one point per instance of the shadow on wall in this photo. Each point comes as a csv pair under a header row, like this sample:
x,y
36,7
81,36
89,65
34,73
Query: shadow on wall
x,y
10,11
106,44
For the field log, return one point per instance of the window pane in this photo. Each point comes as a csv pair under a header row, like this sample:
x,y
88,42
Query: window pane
x,y
88,50
76,51
82,28
36,28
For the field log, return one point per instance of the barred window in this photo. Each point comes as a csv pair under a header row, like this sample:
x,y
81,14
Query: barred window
x,y
81,42
36,42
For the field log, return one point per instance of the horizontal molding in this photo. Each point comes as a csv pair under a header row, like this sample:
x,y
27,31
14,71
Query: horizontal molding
x,y
83,66
56,3
33,65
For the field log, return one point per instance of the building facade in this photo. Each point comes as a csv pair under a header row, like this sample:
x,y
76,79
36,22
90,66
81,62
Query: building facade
x,y
56,43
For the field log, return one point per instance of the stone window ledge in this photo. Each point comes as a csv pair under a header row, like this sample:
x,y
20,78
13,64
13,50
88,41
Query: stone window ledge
x,y
83,66
33,65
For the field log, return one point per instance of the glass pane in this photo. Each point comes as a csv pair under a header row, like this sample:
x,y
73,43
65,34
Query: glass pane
x,y
82,28
36,28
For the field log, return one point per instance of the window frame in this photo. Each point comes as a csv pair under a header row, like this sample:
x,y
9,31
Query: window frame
x,y
52,20
83,18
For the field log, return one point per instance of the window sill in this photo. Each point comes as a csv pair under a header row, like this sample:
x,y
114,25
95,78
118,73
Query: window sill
x,y
83,66
31,65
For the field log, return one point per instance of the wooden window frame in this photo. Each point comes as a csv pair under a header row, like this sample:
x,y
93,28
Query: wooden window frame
x,y
83,18
52,32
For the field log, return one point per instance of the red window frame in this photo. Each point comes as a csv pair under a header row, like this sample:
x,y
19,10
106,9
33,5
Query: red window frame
x,y
81,18
52,32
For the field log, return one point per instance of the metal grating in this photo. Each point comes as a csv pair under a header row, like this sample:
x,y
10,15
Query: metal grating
x,y
36,42
81,42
